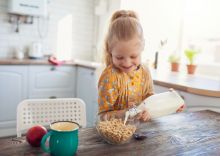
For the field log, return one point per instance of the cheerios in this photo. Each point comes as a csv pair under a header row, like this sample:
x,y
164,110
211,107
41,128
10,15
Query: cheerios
x,y
115,131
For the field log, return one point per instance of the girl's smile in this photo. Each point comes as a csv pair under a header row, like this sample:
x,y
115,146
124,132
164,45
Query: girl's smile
x,y
127,69
126,55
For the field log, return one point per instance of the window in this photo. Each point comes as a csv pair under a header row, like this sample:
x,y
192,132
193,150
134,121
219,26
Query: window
x,y
183,23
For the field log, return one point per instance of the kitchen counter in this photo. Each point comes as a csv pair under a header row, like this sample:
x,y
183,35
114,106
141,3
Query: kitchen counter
x,y
75,62
38,79
196,84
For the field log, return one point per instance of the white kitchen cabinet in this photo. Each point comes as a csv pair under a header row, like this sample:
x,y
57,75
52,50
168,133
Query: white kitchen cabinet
x,y
160,89
13,84
46,81
87,90
19,82
195,102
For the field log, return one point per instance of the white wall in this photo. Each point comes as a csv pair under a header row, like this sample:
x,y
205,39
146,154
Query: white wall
x,y
82,12
103,19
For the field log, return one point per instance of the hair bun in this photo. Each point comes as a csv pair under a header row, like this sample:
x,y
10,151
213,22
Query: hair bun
x,y
124,13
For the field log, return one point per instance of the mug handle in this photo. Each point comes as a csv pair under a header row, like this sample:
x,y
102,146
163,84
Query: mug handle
x,y
43,141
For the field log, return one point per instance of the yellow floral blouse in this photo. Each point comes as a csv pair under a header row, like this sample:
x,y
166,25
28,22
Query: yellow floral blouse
x,y
116,88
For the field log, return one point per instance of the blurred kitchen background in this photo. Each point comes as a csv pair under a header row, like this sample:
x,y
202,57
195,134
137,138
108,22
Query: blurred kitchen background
x,y
73,31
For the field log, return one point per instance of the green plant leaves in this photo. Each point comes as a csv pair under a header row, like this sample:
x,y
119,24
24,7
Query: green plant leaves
x,y
190,54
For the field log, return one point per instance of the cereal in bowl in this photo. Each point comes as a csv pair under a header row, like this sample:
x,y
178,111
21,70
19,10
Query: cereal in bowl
x,y
114,131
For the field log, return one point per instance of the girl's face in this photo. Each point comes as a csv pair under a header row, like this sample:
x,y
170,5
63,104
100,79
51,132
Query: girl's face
x,y
126,55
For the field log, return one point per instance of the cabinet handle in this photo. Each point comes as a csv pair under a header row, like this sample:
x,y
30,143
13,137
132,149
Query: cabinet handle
x,y
52,97
53,68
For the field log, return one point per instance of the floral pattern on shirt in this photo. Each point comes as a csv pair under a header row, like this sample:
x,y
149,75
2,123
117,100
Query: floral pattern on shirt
x,y
117,88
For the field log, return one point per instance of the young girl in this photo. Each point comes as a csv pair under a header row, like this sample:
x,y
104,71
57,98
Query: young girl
x,y
124,82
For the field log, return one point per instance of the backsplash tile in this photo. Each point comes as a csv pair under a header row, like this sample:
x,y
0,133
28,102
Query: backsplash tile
x,y
83,29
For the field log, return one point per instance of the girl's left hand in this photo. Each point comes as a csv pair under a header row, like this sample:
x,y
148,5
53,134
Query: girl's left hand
x,y
181,108
144,116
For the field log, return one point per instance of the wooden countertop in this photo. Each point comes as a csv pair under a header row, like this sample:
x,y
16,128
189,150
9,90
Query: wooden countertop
x,y
196,133
87,64
201,85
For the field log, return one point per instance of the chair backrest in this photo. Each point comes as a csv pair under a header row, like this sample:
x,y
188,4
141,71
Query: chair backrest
x,y
45,111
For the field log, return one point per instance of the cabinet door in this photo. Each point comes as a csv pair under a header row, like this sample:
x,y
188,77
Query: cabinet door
x,y
13,84
160,89
87,91
196,102
51,82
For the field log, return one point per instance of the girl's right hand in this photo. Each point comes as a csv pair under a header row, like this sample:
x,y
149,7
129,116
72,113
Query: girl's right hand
x,y
131,104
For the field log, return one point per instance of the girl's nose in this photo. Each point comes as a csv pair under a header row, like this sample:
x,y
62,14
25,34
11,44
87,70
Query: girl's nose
x,y
127,62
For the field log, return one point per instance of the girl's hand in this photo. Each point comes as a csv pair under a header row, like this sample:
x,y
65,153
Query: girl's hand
x,y
144,116
131,104
182,108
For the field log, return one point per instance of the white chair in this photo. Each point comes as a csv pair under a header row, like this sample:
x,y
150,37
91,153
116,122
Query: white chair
x,y
45,111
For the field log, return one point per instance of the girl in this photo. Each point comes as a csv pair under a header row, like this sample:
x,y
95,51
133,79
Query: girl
x,y
124,82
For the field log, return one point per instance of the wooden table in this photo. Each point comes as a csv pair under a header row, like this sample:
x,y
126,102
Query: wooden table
x,y
196,133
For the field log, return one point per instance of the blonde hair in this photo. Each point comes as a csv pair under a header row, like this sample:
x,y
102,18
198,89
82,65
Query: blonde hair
x,y
124,26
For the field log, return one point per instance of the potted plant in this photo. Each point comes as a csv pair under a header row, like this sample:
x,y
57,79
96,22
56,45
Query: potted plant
x,y
174,61
190,55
